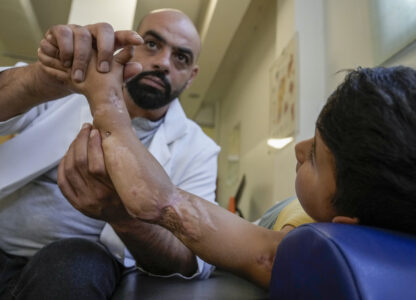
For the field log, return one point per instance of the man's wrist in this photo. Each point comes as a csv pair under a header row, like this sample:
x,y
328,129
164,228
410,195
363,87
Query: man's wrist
x,y
42,86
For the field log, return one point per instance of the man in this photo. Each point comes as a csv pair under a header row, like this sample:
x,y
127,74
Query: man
x,y
71,248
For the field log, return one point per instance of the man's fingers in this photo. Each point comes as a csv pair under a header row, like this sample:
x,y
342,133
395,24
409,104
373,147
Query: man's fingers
x,y
74,161
63,183
127,37
49,49
80,146
50,61
61,36
58,74
104,36
96,165
82,52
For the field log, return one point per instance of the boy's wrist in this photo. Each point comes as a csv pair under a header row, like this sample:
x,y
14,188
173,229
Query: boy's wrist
x,y
108,94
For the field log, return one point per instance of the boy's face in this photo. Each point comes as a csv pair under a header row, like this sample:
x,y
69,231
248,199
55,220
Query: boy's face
x,y
315,178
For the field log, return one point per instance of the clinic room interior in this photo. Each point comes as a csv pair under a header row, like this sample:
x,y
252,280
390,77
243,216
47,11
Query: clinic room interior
x,y
266,69
236,98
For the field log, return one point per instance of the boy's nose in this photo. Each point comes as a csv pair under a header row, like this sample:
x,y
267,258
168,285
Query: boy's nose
x,y
301,150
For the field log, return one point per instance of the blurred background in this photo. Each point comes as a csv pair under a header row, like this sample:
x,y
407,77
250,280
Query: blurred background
x,y
242,40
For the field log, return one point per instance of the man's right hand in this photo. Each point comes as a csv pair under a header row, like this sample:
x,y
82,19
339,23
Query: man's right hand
x,y
66,50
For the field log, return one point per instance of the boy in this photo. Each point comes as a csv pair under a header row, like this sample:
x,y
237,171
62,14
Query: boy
x,y
358,169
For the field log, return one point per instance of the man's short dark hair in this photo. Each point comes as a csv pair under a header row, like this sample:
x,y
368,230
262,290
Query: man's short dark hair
x,y
369,124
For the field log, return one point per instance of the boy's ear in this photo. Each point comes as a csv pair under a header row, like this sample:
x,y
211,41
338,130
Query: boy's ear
x,y
345,220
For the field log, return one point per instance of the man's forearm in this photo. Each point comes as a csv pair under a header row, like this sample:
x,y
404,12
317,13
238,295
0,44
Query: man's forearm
x,y
155,249
25,87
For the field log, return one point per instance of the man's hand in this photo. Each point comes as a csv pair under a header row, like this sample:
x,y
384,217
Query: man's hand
x,y
72,47
83,179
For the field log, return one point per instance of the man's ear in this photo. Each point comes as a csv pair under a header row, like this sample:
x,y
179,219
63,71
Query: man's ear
x,y
345,220
193,75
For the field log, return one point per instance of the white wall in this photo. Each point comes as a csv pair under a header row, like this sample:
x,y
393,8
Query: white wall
x,y
348,39
269,174
310,27
333,35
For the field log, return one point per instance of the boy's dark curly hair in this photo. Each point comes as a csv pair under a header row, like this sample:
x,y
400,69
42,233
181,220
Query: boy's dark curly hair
x,y
369,124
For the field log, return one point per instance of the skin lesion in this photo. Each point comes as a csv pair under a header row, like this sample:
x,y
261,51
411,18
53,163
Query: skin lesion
x,y
187,218
265,261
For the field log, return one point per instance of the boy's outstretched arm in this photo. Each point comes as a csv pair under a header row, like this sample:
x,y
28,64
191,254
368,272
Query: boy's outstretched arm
x,y
147,193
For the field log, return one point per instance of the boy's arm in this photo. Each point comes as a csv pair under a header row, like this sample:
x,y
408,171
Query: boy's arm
x,y
84,181
154,248
147,193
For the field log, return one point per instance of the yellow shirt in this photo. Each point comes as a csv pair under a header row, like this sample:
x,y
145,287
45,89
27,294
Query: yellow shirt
x,y
293,214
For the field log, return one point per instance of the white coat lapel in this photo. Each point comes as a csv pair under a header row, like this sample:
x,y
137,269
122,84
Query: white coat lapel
x,y
41,146
173,127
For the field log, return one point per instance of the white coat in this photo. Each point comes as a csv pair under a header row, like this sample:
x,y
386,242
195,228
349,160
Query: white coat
x,y
45,132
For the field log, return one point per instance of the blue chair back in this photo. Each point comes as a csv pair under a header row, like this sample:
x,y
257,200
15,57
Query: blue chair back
x,y
337,261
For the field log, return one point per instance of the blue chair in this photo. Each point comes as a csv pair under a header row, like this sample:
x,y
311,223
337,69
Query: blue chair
x,y
336,261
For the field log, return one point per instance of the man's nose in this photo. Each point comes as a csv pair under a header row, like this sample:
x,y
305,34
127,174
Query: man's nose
x,y
162,61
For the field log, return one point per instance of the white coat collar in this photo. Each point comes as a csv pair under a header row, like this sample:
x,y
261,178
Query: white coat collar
x,y
173,127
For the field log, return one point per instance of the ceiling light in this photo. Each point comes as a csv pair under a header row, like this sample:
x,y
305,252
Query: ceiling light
x,y
279,143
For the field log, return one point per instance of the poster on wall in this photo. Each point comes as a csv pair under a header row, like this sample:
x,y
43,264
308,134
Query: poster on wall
x,y
284,92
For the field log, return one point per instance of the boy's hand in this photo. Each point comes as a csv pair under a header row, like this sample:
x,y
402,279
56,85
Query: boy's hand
x,y
97,83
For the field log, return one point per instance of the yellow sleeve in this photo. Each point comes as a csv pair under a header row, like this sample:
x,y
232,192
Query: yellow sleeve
x,y
293,214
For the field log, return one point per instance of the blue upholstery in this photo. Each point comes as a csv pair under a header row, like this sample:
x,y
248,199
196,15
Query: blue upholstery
x,y
337,261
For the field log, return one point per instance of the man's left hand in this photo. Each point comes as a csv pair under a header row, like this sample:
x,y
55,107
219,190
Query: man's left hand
x,y
83,179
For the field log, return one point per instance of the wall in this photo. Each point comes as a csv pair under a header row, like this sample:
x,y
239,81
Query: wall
x,y
269,174
348,38
310,27
333,35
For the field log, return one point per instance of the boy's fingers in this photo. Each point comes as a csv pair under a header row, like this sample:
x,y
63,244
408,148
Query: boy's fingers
x,y
124,55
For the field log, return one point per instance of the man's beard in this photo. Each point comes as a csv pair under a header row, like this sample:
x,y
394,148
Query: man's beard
x,y
149,97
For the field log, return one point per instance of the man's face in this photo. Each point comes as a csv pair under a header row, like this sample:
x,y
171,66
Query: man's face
x,y
168,55
315,178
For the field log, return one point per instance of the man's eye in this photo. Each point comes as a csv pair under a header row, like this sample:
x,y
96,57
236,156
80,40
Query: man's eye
x,y
151,44
182,58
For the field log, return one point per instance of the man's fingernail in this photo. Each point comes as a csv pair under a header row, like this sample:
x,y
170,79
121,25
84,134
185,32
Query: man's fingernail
x,y
104,66
49,37
85,125
78,75
138,36
93,133
67,64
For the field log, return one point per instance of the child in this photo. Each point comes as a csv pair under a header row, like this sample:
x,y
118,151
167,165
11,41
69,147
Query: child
x,y
358,169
